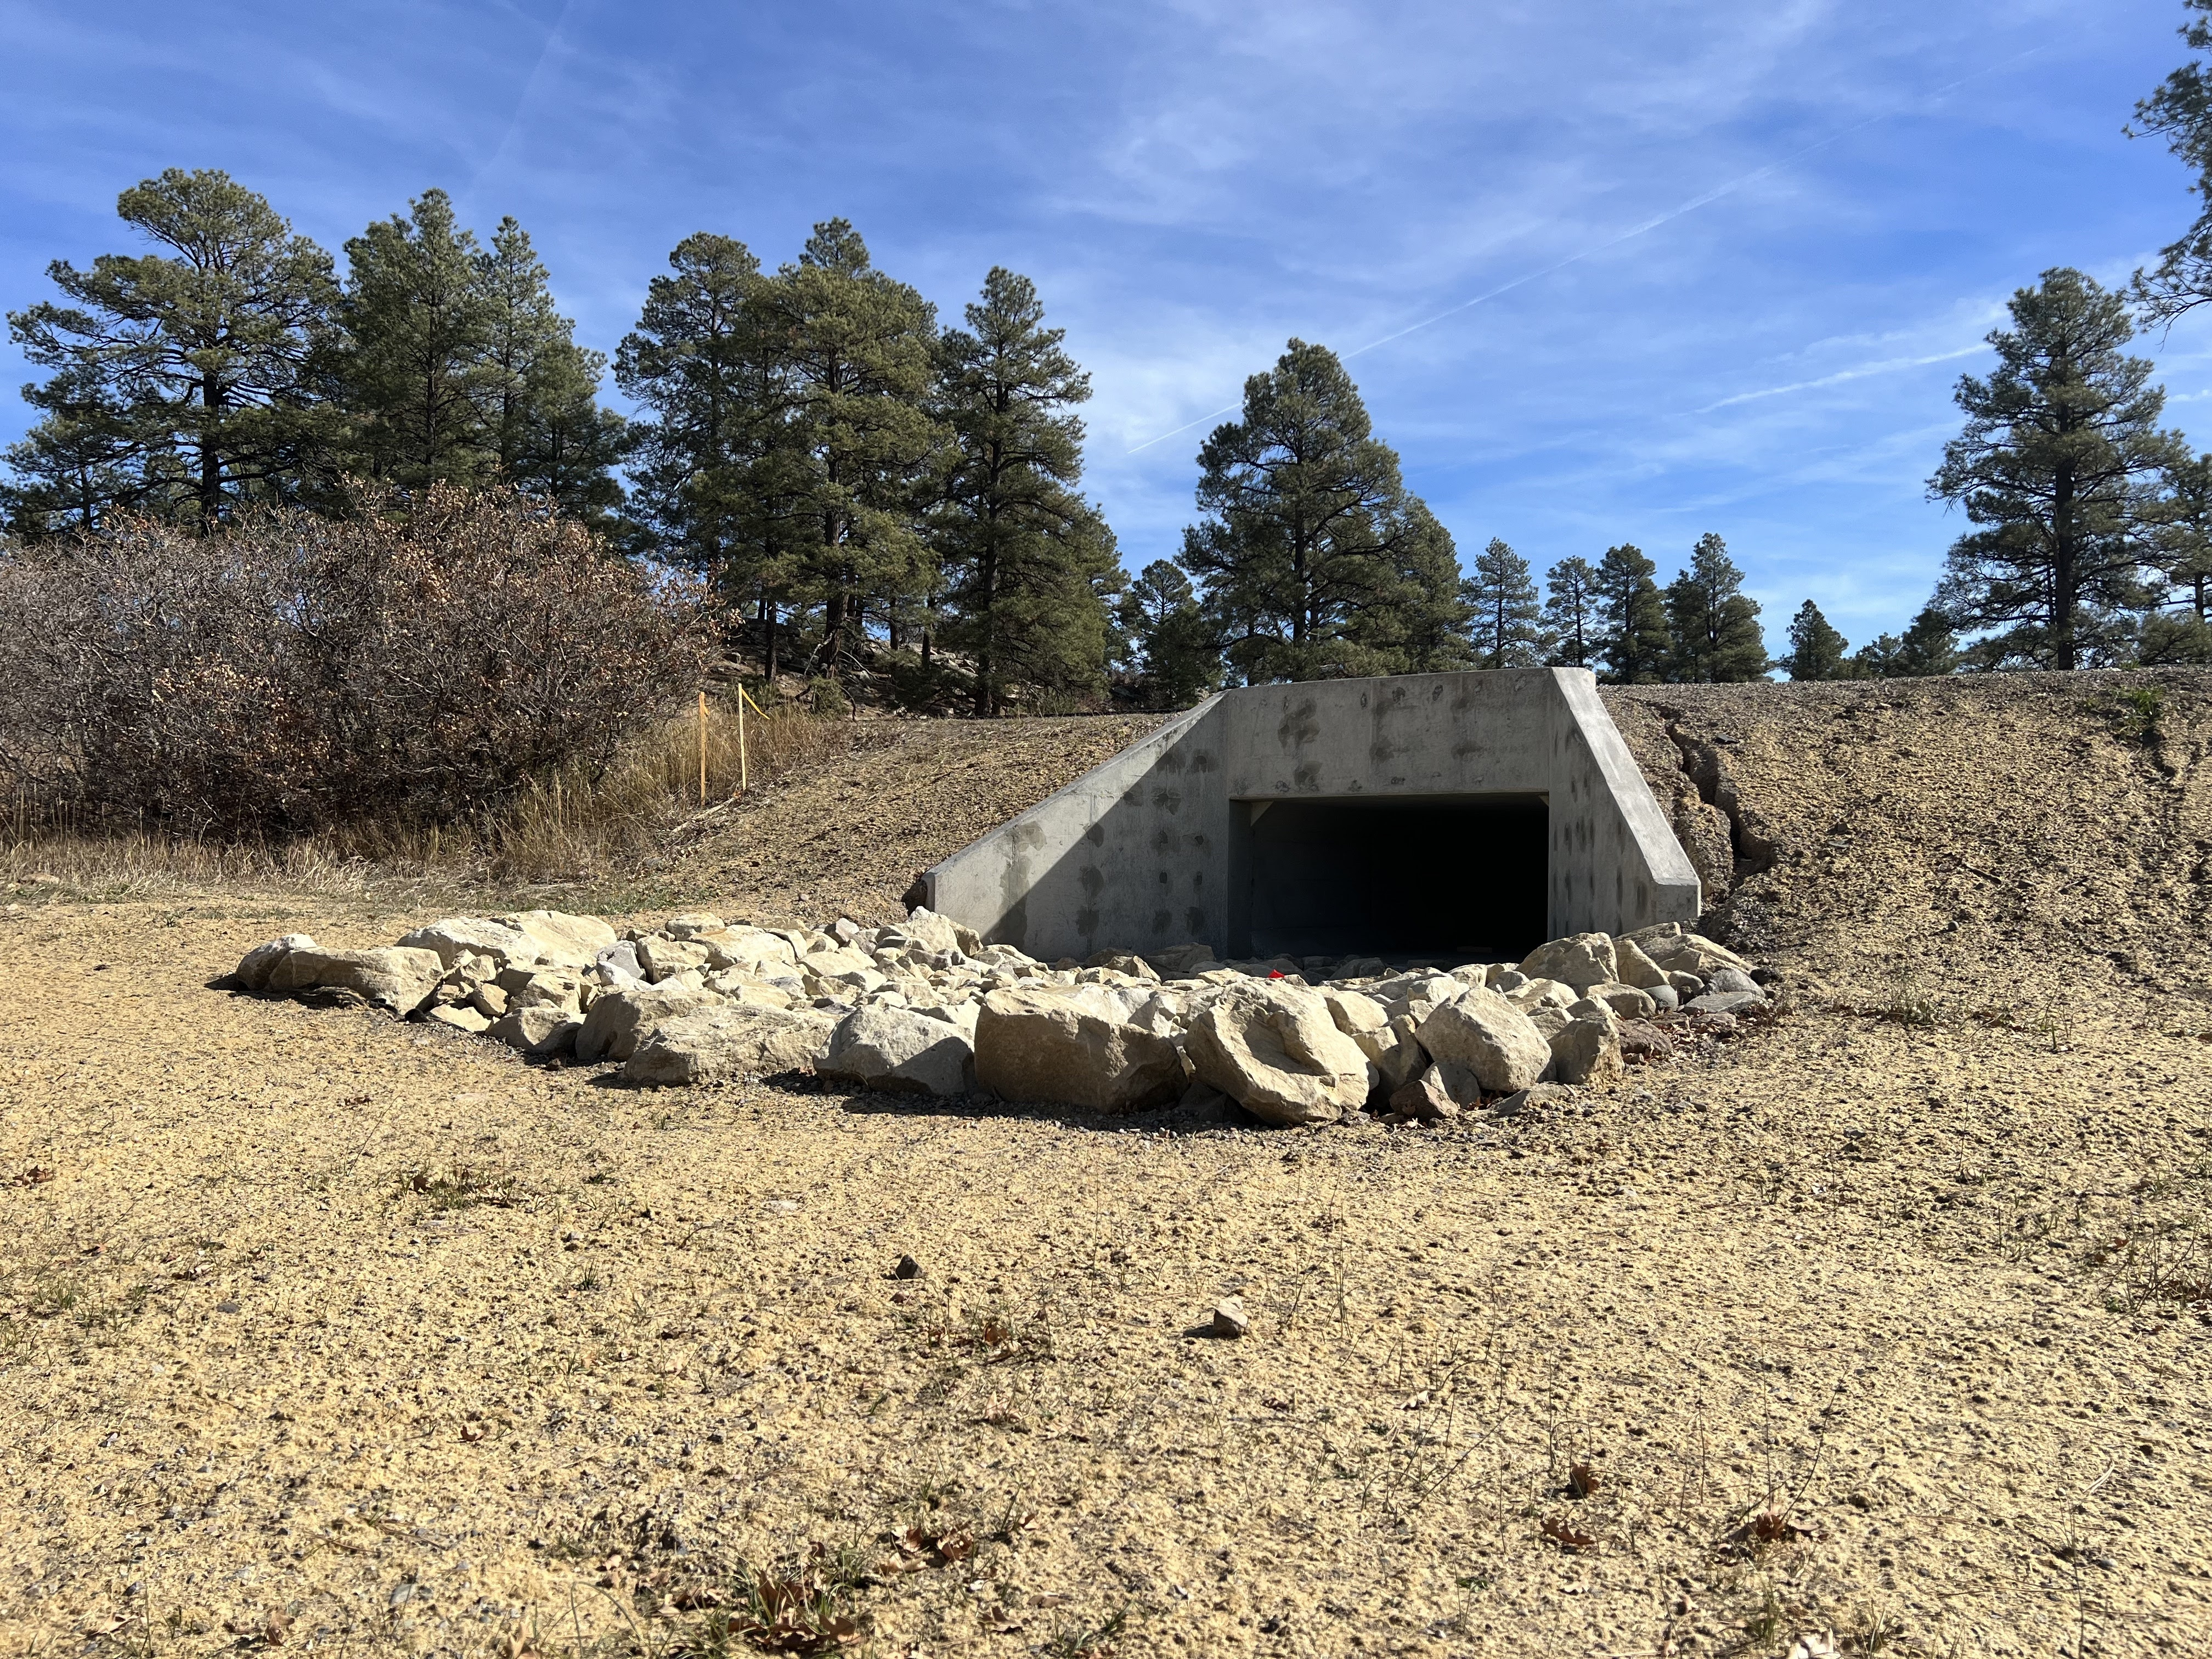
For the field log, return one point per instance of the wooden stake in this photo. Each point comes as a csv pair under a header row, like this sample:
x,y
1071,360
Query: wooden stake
x,y
744,781
703,745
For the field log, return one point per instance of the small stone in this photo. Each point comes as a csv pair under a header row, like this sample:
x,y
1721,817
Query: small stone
x,y
1642,1040
1727,1002
1534,1098
1230,1318
1426,1099
908,1267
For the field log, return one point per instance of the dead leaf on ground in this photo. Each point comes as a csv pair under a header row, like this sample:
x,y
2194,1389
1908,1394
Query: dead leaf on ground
x,y
1582,1480
37,1175
922,1548
1770,1526
1566,1537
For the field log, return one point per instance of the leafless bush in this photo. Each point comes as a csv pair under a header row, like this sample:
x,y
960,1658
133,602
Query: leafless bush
x,y
412,663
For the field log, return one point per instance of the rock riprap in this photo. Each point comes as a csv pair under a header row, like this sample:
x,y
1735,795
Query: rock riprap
x,y
924,1006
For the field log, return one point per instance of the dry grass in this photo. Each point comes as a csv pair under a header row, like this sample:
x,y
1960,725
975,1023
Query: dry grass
x,y
565,827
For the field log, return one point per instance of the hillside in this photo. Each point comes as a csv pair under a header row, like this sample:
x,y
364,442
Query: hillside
x,y
1884,1331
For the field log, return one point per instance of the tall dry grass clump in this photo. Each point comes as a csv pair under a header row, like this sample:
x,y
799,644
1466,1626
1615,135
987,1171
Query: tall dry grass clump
x,y
566,825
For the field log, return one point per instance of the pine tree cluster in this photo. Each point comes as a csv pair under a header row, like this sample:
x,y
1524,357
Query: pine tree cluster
x,y
841,469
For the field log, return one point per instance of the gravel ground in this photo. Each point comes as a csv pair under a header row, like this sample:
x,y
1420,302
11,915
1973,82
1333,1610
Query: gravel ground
x,y
1887,1327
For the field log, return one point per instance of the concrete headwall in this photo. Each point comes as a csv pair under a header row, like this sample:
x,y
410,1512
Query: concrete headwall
x,y
1149,849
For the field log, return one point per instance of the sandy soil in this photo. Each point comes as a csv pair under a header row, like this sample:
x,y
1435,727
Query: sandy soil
x,y
323,1331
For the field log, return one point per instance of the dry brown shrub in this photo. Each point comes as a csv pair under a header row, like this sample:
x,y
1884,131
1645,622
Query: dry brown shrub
x,y
418,662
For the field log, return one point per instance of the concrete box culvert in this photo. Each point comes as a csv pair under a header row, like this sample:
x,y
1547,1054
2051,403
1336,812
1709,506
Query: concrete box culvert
x,y
1469,816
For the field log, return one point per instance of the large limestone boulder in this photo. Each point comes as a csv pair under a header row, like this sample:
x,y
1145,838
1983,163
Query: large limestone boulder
x,y
1582,961
1625,1000
665,958
455,937
400,978
752,950
1078,1051
1530,995
550,988
540,1030
620,1020
728,1041
1395,1056
1688,953
563,941
258,963
1276,1050
930,931
1637,967
1587,1051
1484,1032
899,1051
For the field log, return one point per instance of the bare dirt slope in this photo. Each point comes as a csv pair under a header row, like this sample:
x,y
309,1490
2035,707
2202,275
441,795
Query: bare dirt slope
x,y
329,1333
853,835
1993,827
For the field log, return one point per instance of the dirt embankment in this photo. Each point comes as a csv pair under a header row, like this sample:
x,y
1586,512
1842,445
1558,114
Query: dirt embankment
x,y
1889,1330
1994,829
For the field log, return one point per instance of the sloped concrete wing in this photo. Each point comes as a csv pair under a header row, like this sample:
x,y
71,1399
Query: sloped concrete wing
x,y
1434,815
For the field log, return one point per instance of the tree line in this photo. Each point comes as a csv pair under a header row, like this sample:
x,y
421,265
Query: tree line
x,y
856,484
1313,560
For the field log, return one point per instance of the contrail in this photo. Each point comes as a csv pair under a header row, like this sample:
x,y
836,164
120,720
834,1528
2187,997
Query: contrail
x,y
522,102
1842,376
1647,226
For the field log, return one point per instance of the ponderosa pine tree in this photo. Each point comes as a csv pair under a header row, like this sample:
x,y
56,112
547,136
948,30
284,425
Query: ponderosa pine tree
x,y
419,325
1572,612
1929,646
2180,111
1301,556
2179,630
549,435
80,463
460,369
1424,629
1817,651
2058,466
719,479
1025,557
1169,643
187,381
2181,540
854,360
1635,644
1714,623
1508,620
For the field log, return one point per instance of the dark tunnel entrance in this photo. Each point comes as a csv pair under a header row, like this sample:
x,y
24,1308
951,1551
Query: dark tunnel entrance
x,y
1458,878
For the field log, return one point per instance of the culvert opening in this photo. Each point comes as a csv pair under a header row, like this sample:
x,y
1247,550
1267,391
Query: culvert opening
x,y
1461,877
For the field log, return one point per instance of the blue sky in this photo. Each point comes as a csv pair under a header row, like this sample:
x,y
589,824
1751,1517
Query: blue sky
x,y
1737,252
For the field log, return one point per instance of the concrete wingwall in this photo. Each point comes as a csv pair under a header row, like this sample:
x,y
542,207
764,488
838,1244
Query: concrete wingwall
x,y
1150,849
